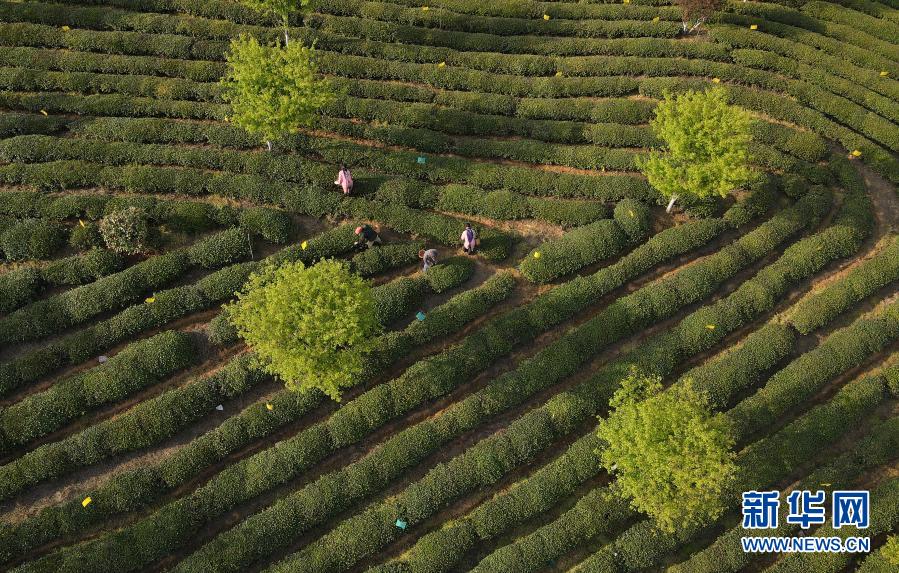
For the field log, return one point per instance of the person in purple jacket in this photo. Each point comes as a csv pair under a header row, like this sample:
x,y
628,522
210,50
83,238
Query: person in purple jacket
x,y
469,239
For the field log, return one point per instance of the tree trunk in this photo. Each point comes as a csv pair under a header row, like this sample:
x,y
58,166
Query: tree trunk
x,y
699,23
269,144
286,38
671,203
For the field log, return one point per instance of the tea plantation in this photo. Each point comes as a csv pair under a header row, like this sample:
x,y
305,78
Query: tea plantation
x,y
139,433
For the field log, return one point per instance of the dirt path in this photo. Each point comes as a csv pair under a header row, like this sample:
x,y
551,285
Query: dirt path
x,y
884,196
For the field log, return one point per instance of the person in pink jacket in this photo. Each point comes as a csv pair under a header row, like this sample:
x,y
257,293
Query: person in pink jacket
x,y
344,179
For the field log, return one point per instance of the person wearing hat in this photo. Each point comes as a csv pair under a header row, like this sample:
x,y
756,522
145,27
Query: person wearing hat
x,y
344,179
469,239
367,237
428,258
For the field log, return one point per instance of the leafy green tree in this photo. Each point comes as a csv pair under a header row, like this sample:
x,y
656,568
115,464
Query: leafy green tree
x,y
310,326
707,143
890,550
282,9
273,90
672,457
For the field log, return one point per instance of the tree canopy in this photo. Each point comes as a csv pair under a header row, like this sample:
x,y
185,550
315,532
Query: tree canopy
x,y
310,326
281,9
890,550
671,456
273,90
694,13
706,146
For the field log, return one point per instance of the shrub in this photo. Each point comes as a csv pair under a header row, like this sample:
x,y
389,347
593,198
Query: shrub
x,y
221,332
85,236
80,269
220,249
574,250
634,218
19,287
449,273
373,261
125,231
190,216
890,550
32,239
271,224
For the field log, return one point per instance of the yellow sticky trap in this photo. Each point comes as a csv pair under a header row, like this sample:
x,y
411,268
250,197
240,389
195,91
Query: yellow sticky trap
x,y
630,212
656,19
80,222
269,406
546,16
425,8
716,80
150,299
856,153
626,1
536,254
86,501
710,326
754,27
884,73
558,74
441,65
44,112
65,28
304,244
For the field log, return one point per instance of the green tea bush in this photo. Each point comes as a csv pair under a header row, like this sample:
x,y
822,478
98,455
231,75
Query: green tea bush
x,y
142,364
634,218
835,298
32,239
574,250
374,261
86,236
270,224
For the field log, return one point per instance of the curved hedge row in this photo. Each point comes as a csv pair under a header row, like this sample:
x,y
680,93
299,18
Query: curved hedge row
x,y
73,307
21,286
139,366
588,244
762,465
662,353
862,281
138,488
725,377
